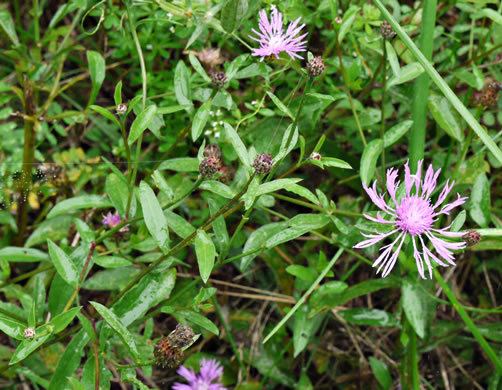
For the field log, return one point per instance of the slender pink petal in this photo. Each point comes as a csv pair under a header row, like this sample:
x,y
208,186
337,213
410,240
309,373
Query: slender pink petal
x,y
373,239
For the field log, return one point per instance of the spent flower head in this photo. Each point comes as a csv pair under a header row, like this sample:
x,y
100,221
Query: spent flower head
x,y
210,370
273,39
113,220
413,215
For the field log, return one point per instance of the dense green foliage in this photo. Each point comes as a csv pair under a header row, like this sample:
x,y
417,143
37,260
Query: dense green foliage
x,y
120,218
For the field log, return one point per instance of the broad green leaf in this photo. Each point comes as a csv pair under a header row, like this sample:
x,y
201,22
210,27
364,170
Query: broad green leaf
x,y
232,13
235,65
198,67
25,255
118,192
406,73
459,221
286,148
445,116
414,306
303,329
335,163
182,84
141,123
303,192
257,239
6,218
381,372
200,119
26,347
238,145
69,361
171,109
205,252
115,323
104,112
110,279
280,105
148,292
78,203
304,273
475,79
192,316
275,185
178,224
97,68
218,188
393,135
63,264
290,234
363,288
61,321
7,25
371,317
481,201
111,261
181,164
489,13
219,226
369,160
163,185
154,217
393,60
348,19
117,95
12,327
329,98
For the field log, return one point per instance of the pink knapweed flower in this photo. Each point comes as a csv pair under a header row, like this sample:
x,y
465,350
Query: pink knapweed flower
x,y
113,220
272,38
414,215
210,370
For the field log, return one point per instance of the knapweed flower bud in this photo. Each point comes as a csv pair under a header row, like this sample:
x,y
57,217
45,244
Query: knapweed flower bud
x,y
167,354
490,95
338,20
121,109
209,167
471,238
386,30
263,163
315,156
212,150
29,333
315,67
219,79
181,336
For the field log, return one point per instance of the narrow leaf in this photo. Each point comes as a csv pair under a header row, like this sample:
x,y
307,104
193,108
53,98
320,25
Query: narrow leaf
x,y
205,252
63,264
154,217
141,123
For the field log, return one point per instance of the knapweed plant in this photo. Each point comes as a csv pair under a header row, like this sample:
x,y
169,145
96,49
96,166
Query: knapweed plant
x,y
243,194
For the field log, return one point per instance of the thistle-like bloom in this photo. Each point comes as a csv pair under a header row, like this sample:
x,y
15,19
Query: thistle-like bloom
x,y
210,370
273,39
113,220
414,215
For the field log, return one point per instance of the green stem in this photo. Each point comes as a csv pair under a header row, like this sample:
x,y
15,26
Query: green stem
x,y
28,161
229,335
304,296
467,320
384,82
421,86
441,84
132,177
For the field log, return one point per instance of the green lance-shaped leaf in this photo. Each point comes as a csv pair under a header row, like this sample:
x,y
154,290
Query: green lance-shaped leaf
x,y
182,85
26,347
238,145
141,123
114,323
117,95
414,306
392,135
63,264
445,116
205,252
97,68
369,160
381,372
154,217
78,203
193,317
280,105
7,24
232,13
17,254
480,201
104,112
200,119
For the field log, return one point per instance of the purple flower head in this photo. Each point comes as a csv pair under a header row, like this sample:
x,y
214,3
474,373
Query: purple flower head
x,y
414,215
210,370
273,39
113,220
